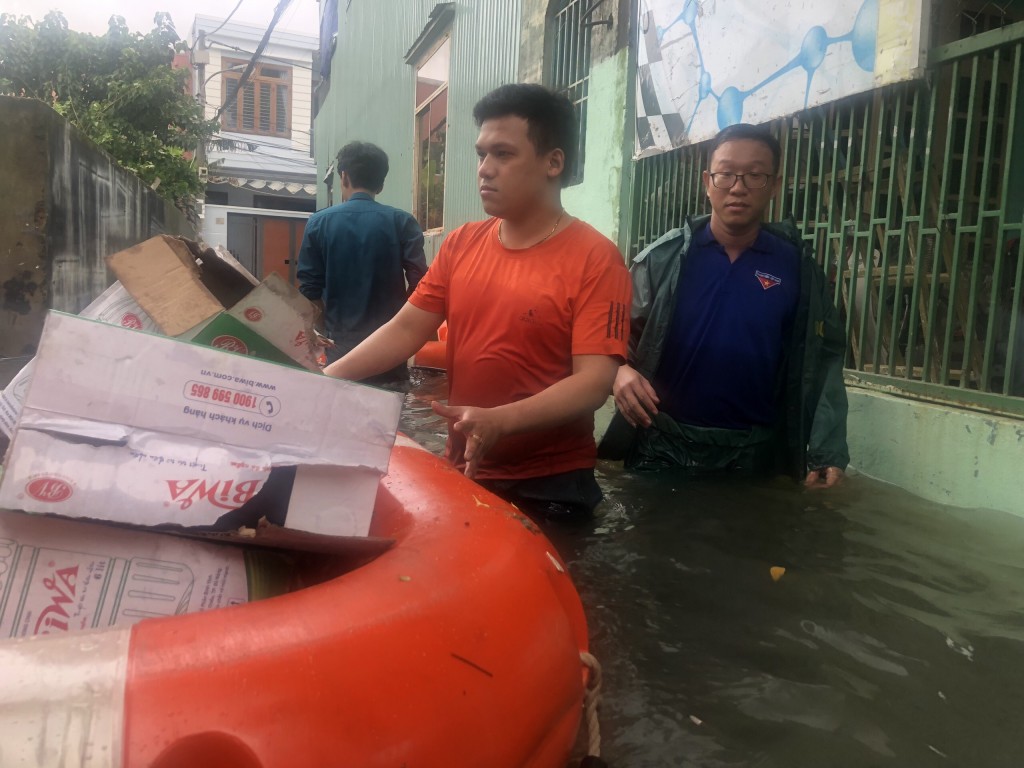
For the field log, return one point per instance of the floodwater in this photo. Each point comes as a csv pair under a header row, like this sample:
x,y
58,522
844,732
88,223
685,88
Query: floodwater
x,y
894,636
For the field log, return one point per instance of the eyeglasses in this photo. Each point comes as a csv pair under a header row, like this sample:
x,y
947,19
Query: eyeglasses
x,y
750,180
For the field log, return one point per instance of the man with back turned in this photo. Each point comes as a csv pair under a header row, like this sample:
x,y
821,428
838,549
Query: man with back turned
x,y
360,259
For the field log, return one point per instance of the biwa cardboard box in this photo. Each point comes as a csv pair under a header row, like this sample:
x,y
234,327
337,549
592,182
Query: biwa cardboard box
x,y
171,293
163,276
115,306
138,428
207,296
59,576
273,322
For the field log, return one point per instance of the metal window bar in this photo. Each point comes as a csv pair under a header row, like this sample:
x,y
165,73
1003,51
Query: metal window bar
x,y
570,73
907,196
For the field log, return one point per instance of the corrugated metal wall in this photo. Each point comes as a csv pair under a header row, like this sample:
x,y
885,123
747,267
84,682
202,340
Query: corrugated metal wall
x,y
371,93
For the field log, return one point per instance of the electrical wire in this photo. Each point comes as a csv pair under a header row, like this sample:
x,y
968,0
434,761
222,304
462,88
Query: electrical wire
x,y
223,135
218,29
287,160
291,62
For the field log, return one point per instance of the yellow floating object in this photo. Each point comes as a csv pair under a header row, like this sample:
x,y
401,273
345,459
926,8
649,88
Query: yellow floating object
x,y
776,571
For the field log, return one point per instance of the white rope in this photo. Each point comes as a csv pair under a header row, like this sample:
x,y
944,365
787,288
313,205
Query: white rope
x,y
591,702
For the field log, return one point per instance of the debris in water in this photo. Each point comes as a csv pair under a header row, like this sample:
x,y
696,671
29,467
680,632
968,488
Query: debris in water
x,y
696,720
966,650
776,571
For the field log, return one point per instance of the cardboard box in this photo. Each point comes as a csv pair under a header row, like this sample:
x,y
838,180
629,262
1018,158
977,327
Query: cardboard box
x,y
168,292
273,322
137,428
216,301
115,306
59,576
162,275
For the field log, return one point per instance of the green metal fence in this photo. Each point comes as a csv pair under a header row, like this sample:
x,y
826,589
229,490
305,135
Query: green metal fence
x,y
913,198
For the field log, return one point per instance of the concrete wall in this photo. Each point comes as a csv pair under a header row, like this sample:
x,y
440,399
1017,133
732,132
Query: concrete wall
x,y
64,206
947,455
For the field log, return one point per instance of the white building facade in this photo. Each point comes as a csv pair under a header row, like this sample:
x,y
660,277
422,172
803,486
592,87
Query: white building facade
x,y
261,176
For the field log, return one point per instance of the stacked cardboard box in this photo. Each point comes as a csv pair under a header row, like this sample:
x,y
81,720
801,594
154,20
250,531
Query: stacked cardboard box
x,y
175,287
59,576
115,423
216,301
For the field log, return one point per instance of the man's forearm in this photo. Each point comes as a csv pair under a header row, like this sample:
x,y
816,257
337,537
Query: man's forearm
x,y
375,355
579,395
391,344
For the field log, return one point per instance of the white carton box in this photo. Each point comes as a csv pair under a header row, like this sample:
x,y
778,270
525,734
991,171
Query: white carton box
x,y
59,576
115,306
138,428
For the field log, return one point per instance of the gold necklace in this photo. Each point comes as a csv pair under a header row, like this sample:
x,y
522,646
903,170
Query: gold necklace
x,y
558,221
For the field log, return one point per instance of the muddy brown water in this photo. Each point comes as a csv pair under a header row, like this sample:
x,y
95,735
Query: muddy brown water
x,y
893,637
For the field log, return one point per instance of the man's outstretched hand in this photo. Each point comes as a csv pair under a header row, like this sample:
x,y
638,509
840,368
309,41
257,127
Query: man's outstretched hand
x,y
481,427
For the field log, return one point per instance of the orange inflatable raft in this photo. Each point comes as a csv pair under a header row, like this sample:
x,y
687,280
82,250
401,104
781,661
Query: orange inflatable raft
x,y
460,645
434,354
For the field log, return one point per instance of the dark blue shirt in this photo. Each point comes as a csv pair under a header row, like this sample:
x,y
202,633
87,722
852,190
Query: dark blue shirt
x,y
363,259
729,333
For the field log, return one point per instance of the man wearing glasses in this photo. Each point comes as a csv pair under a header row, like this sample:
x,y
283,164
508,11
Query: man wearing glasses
x,y
736,349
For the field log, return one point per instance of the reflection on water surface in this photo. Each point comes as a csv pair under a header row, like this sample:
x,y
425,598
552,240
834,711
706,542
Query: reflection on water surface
x,y
892,638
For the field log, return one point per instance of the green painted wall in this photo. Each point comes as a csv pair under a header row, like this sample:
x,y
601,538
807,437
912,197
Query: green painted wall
x,y
371,93
600,199
953,456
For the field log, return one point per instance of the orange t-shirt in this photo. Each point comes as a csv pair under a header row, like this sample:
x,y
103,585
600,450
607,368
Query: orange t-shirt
x,y
515,320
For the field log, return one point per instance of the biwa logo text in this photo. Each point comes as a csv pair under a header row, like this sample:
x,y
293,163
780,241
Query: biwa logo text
x,y
230,343
51,490
61,589
253,314
225,494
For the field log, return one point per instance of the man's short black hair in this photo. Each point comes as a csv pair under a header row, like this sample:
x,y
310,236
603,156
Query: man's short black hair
x,y
365,163
550,117
741,131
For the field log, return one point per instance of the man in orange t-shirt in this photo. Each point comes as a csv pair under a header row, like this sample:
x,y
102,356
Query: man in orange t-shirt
x,y
537,305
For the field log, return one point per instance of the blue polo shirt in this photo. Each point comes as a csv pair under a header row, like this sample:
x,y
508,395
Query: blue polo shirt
x,y
729,333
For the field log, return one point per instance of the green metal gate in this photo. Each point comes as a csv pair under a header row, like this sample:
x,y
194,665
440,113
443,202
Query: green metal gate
x,y
913,198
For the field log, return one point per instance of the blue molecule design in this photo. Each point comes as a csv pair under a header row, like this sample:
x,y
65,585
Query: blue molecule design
x,y
812,52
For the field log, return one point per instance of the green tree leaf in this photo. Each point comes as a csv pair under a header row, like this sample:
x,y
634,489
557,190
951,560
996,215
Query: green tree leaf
x,y
119,89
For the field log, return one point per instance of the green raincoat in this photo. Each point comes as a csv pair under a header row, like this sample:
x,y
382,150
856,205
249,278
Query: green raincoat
x,y
810,432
